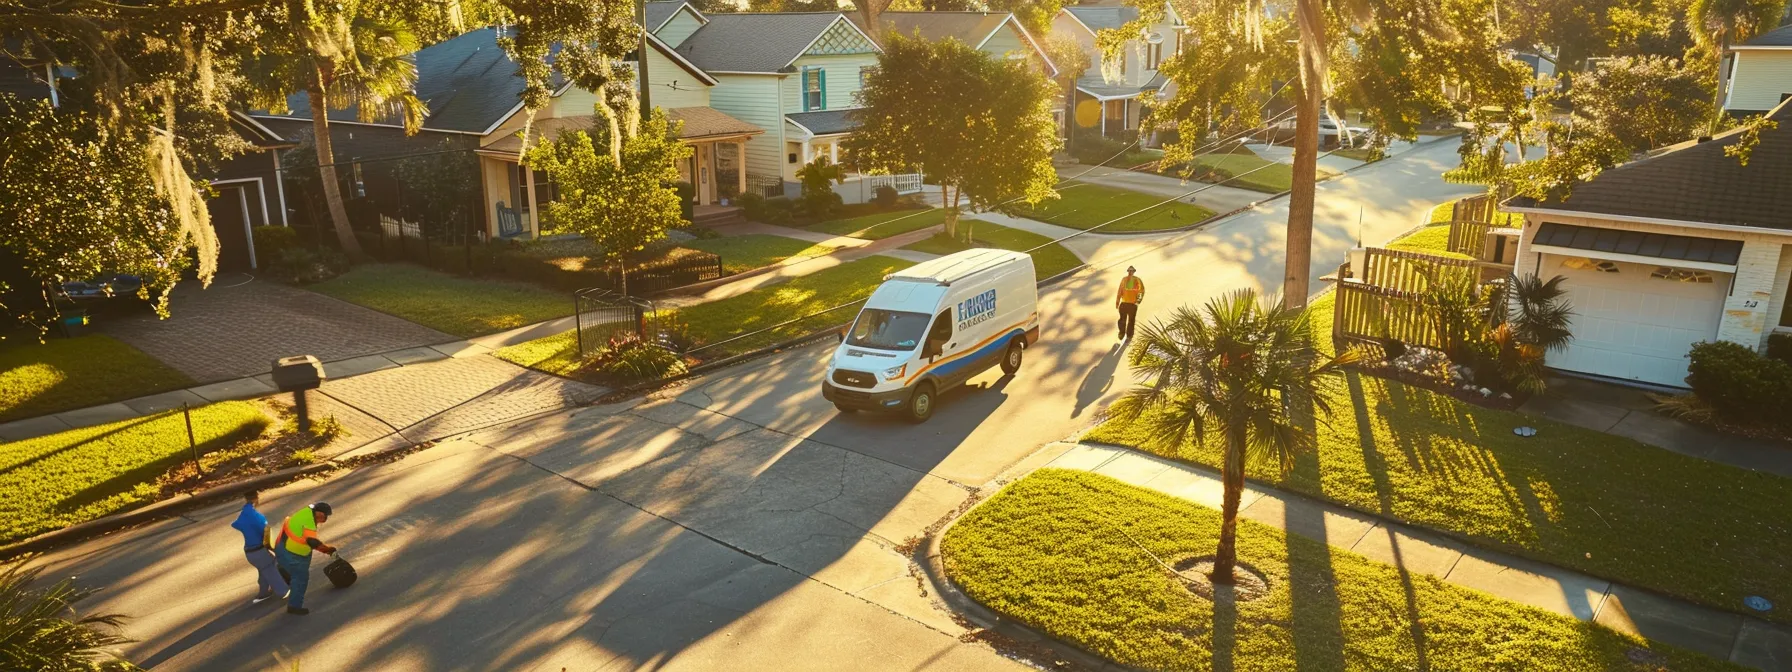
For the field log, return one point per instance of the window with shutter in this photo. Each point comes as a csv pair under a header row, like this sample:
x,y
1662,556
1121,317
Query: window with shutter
x,y
814,89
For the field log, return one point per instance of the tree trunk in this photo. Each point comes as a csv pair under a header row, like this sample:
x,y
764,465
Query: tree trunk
x,y
1299,260
1722,79
326,164
1225,558
951,207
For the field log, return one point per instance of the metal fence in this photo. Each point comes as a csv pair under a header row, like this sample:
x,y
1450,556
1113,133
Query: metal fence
x,y
684,269
600,313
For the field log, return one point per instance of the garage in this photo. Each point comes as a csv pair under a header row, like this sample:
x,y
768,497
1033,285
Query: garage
x,y
1636,321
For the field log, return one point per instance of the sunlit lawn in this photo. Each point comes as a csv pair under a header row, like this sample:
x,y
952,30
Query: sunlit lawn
x,y
1084,206
1071,553
744,253
881,225
761,308
1047,262
454,304
62,374
1582,499
58,480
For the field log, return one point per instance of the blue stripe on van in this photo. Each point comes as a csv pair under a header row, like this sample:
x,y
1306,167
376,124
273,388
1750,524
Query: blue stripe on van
x,y
951,368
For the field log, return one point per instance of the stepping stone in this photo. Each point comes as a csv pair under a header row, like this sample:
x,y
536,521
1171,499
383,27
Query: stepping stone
x,y
31,428
241,388
166,401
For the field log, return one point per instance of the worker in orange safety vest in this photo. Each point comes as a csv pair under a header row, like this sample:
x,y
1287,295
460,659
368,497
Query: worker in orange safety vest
x,y
298,538
1132,291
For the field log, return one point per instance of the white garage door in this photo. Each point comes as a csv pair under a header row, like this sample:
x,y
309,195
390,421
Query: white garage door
x,y
1636,321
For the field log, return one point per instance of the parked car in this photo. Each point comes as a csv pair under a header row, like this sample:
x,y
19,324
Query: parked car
x,y
1331,133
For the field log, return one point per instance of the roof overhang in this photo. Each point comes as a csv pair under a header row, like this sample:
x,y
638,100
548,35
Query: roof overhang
x,y
1632,258
1024,35
1761,47
1726,228
1105,98
812,135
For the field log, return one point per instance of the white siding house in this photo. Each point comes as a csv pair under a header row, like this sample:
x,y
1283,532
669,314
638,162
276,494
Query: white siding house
x,y
1110,96
1760,73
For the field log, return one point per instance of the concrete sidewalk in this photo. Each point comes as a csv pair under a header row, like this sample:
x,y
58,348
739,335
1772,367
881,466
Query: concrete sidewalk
x,y
1629,412
1723,635
1215,197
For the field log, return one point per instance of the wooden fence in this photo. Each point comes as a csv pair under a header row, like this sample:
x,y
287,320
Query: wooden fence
x,y
1385,300
1470,220
1405,270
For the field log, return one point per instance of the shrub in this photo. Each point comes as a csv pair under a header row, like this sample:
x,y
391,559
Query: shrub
x,y
270,241
751,203
1779,346
628,359
1741,385
818,179
300,265
1092,148
887,198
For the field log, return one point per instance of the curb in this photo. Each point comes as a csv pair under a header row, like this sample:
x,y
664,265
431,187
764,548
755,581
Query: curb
x,y
928,558
168,507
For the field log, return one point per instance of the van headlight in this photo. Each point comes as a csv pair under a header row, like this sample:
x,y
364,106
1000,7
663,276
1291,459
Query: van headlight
x,y
892,374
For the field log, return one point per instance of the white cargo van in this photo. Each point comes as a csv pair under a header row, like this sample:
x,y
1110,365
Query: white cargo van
x,y
933,326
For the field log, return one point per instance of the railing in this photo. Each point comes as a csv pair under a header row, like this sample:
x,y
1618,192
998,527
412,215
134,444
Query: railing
x,y
1385,300
767,186
904,184
599,314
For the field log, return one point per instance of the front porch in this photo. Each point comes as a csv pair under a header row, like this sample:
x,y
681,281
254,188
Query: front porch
x,y
513,193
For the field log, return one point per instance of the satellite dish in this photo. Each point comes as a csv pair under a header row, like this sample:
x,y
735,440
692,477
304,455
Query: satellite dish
x,y
1154,38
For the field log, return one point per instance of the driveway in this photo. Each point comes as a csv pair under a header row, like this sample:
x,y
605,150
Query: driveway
x,y
736,522
241,324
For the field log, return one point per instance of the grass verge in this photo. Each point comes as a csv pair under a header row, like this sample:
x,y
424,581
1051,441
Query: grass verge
x,y
448,303
1085,206
62,374
1048,551
745,253
1047,262
54,481
881,225
716,321
1594,502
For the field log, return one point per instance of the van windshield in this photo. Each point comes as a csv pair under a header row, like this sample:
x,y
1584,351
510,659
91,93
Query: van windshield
x,y
887,329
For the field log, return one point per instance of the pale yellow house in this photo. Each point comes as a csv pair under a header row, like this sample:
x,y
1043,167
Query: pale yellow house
x,y
1760,76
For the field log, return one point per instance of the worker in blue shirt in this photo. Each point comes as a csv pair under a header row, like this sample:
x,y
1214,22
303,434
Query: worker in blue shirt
x,y
256,547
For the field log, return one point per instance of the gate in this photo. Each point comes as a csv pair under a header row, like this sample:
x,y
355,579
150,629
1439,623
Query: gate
x,y
600,313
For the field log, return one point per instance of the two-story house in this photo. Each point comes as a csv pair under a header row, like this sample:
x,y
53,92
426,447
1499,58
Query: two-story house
x,y
1760,74
1123,85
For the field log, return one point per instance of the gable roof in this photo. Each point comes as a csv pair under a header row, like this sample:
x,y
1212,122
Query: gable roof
x,y
758,41
1096,17
470,85
658,13
825,122
1694,183
972,28
1779,38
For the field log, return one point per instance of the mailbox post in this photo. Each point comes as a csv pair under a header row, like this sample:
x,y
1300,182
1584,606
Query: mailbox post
x,y
296,374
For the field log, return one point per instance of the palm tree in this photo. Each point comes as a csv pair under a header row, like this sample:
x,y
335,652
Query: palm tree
x,y
1717,24
1538,313
341,60
1237,370
40,631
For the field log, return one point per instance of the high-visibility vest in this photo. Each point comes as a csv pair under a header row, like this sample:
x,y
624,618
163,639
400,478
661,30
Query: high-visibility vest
x,y
299,527
1131,289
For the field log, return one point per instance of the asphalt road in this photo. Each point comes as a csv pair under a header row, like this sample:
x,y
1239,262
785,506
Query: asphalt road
x,y
737,522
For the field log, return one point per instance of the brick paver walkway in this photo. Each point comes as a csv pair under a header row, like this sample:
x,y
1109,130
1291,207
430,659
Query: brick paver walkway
x,y
435,399
239,325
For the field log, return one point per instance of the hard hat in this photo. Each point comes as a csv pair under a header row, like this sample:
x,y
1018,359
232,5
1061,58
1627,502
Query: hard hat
x,y
1130,269
321,507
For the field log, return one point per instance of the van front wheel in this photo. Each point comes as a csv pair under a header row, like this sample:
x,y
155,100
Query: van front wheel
x,y
1011,359
920,404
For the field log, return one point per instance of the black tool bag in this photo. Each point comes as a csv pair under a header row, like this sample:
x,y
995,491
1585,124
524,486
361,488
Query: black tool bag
x,y
340,573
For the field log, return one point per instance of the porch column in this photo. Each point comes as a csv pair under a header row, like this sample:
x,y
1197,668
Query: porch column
x,y
741,166
279,185
834,152
534,208
1104,116
1746,319
705,172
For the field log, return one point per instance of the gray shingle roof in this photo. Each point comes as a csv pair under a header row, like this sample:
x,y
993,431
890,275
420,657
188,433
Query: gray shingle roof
x,y
1696,182
1658,245
1099,18
468,82
968,27
659,12
827,122
1780,37
754,42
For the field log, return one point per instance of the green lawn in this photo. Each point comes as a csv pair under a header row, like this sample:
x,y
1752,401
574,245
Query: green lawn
x,y
457,305
1434,237
745,253
1573,497
1049,551
1047,262
1356,153
1084,206
58,480
716,321
61,374
881,225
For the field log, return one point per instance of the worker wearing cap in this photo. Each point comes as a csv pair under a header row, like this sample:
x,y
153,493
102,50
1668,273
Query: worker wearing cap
x,y
298,538
1132,291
